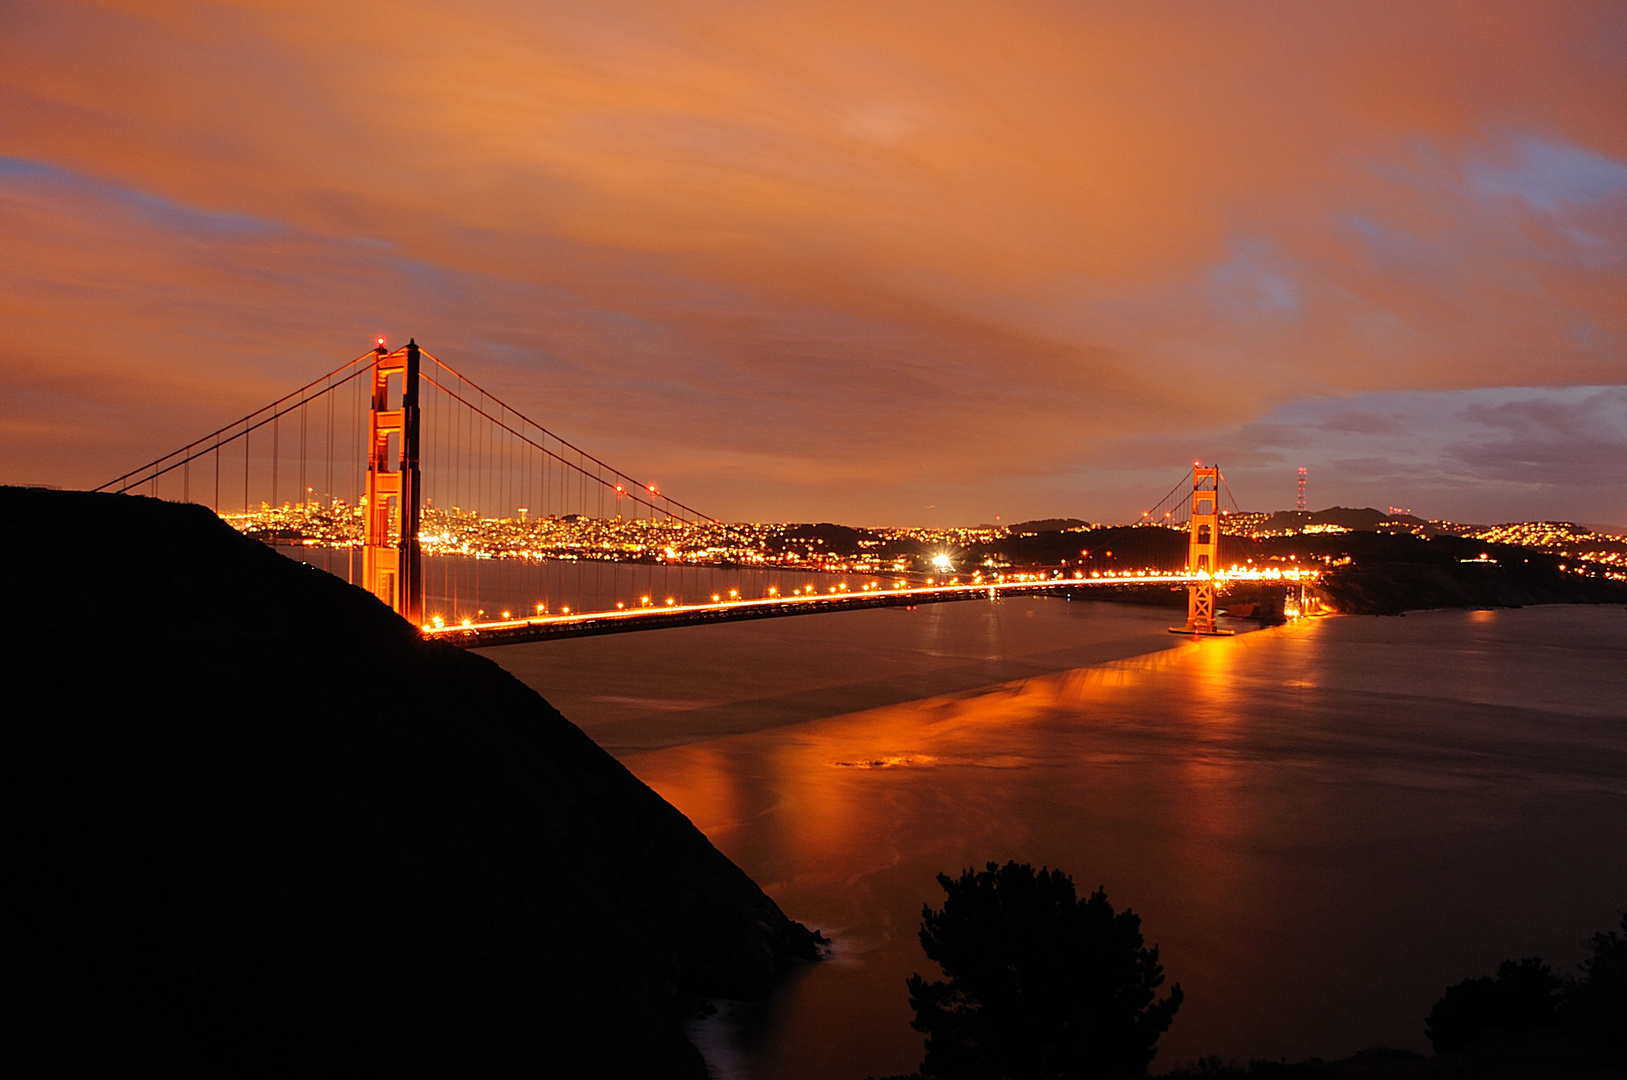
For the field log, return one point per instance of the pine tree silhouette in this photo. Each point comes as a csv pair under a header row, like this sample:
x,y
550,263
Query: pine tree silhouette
x,y
1039,983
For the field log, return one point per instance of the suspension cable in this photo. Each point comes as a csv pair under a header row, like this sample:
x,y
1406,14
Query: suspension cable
x,y
195,445
454,395
563,442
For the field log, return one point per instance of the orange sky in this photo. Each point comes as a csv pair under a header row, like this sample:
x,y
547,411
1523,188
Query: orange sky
x,y
878,263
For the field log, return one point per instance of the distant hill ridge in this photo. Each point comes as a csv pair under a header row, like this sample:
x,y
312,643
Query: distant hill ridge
x,y
1049,525
1359,519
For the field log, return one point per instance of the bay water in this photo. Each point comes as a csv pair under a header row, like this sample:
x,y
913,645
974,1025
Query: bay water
x,y
1321,825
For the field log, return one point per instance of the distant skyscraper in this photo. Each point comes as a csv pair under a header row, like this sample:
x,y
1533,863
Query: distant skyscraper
x,y
1302,489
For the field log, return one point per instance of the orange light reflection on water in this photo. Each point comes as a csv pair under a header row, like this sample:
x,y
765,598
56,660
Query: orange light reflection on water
x,y
815,794
1326,796
845,821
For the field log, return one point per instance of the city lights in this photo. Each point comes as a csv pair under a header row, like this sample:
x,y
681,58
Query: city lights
x,y
678,544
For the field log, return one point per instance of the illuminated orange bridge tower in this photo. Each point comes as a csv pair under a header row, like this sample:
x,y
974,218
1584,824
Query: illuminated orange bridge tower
x,y
1203,553
392,565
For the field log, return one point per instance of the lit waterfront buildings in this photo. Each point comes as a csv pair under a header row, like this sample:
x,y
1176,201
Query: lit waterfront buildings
x,y
1562,538
462,532
951,537
339,524
1250,524
833,548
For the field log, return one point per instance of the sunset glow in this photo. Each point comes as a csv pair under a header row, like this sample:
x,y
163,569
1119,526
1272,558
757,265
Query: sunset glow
x,y
916,264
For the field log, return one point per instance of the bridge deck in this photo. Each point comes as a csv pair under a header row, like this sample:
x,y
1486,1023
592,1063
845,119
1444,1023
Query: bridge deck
x,y
513,632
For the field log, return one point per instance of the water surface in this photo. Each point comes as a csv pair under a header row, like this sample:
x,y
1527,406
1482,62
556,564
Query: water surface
x,y
1322,825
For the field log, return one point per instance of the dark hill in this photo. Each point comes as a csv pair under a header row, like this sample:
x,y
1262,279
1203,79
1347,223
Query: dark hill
x,y
264,829
1361,519
1392,573
1119,547
1043,525
826,537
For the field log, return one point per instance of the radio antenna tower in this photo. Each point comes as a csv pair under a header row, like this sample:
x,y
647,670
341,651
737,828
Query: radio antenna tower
x,y
1302,489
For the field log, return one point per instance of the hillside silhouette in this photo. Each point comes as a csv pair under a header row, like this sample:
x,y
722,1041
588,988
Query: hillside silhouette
x,y
267,830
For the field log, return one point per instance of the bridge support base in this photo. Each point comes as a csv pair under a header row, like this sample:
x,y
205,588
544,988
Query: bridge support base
x,y
1214,631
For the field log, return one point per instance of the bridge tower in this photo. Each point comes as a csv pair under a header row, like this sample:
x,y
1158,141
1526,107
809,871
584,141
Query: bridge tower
x,y
392,566
1203,552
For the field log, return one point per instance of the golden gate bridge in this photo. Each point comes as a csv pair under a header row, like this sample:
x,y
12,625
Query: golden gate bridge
x,y
440,499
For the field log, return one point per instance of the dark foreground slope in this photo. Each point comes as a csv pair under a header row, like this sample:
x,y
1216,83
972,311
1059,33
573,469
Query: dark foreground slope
x,y
264,829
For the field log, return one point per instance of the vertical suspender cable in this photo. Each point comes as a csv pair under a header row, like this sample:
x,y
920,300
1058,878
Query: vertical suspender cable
x,y
327,487
355,494
598,576
480,485
327,483
448,484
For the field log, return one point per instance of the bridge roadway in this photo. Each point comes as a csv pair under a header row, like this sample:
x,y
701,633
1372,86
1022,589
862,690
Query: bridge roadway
x,y
544,627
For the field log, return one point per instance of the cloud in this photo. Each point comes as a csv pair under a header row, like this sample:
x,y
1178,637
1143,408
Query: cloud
x,y
1250,284
815,259
1576,438
1487,454
1549,176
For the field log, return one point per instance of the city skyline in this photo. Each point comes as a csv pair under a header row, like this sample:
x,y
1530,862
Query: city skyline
x,y
921,266
457,531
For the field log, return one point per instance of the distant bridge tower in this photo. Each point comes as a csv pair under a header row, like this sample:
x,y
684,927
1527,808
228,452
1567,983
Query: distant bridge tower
x,y
1203,552
392,566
